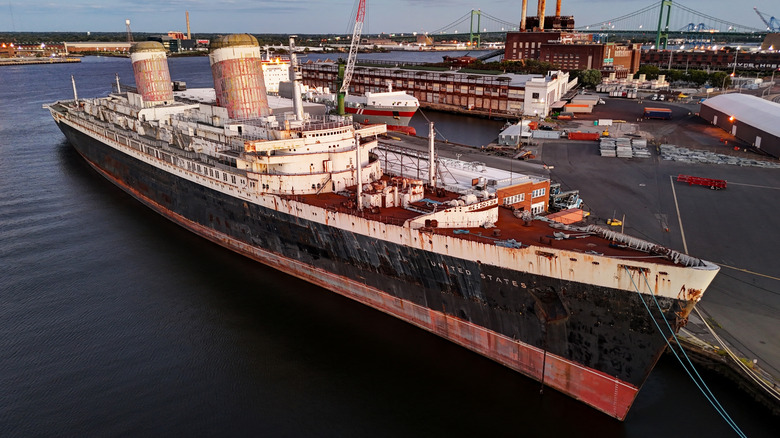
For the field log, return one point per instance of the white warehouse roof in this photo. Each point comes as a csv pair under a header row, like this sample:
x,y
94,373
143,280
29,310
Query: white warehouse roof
x,y
750,110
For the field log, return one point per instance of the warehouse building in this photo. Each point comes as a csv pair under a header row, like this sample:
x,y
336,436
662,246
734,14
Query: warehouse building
x,y
506,95
749,118
99,47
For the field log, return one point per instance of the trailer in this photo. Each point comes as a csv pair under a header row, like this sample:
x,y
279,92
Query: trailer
x,y
658,113
714,184
578,108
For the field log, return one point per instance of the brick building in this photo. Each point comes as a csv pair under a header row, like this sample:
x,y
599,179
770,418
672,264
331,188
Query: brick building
x,y
40,50
7,50
527,45
573,51
531,194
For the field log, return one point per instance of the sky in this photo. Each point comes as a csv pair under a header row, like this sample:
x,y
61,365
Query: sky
x,y
320,16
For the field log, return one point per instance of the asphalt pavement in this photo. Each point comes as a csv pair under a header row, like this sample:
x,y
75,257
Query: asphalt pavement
x,y
735,228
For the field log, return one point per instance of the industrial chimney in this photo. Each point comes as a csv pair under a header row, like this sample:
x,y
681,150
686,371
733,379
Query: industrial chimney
x,y
558,9
187,14
542,6
522,18
152,77
238,76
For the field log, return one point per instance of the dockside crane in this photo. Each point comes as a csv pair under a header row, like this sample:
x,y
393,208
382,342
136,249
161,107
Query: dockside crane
x,y
357,30
772,24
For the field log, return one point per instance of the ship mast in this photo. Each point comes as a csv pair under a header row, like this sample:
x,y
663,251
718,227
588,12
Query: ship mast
x,y
431,159
295,78
357,30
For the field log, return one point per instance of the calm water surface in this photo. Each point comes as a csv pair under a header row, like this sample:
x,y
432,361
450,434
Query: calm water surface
x,y
115,322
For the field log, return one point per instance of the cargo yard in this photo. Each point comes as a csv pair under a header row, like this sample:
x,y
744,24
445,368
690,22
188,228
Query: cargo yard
x,y
677,214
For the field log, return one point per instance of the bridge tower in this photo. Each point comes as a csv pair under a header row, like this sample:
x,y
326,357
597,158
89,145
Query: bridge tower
x,y
663,32
478,36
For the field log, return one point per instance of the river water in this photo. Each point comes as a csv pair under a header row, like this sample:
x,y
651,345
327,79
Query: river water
x,y
115,322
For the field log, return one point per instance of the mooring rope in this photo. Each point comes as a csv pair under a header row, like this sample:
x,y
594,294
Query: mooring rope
x,y
707,394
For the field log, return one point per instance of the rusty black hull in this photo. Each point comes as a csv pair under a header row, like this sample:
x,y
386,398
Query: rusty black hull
x,y
604,329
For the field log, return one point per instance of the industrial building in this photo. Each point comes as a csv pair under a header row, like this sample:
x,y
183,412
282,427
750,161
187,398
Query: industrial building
x,y
173,44
749,118
712,59
567,50
507,95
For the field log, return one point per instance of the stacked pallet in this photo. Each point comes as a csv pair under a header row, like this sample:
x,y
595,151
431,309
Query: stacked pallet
x,y
623,147
639,148
607,147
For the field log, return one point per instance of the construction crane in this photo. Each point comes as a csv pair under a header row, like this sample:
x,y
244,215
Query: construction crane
x,y
129,32
357,30
771,24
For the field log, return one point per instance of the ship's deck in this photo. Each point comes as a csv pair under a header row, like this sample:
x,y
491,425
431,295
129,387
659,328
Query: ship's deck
x,y
509,230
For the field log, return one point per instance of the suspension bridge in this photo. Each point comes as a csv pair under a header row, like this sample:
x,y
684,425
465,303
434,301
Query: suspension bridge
x,y
662,19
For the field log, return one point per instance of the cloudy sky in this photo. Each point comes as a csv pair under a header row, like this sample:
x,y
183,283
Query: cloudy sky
x,y
320,16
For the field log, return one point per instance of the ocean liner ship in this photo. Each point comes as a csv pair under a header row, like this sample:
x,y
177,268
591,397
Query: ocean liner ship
x,y
573,307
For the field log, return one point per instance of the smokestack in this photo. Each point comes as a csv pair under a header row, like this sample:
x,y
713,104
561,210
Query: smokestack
x,y
538,11
558,9
522,18
542,6
187,13
238,76
152,77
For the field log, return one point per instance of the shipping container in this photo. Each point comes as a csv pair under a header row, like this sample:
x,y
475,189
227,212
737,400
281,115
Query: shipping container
x,y
592,136
546,134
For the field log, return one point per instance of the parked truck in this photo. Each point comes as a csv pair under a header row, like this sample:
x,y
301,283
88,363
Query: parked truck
x,y
658,113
